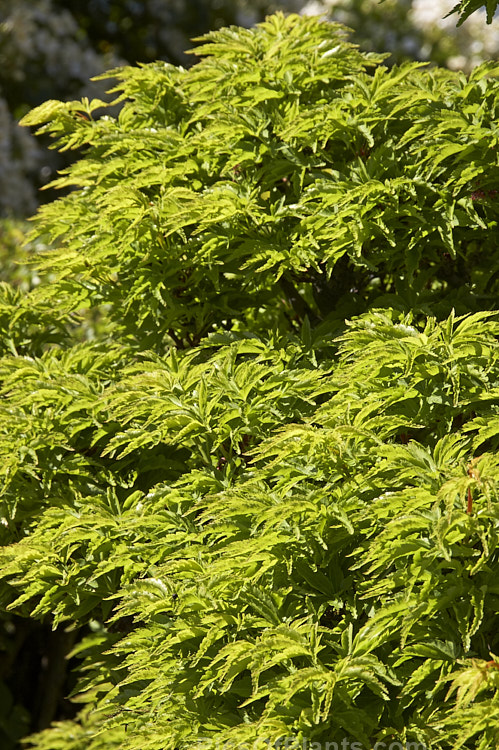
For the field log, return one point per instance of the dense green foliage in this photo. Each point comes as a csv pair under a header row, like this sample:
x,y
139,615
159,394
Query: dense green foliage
x,y
49,49
253,177
254,520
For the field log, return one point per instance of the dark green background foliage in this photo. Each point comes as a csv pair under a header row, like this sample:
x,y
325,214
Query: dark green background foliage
x,y
151,29
244,518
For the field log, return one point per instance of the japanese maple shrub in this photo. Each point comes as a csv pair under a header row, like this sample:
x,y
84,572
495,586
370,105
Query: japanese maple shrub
x,y
259,521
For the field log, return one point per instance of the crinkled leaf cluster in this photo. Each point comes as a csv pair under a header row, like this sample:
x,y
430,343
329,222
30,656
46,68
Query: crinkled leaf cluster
x,y
285,175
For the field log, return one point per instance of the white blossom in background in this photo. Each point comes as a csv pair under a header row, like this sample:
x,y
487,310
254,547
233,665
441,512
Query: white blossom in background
x,y
19,157
38,33
415,29
475,40
41,50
